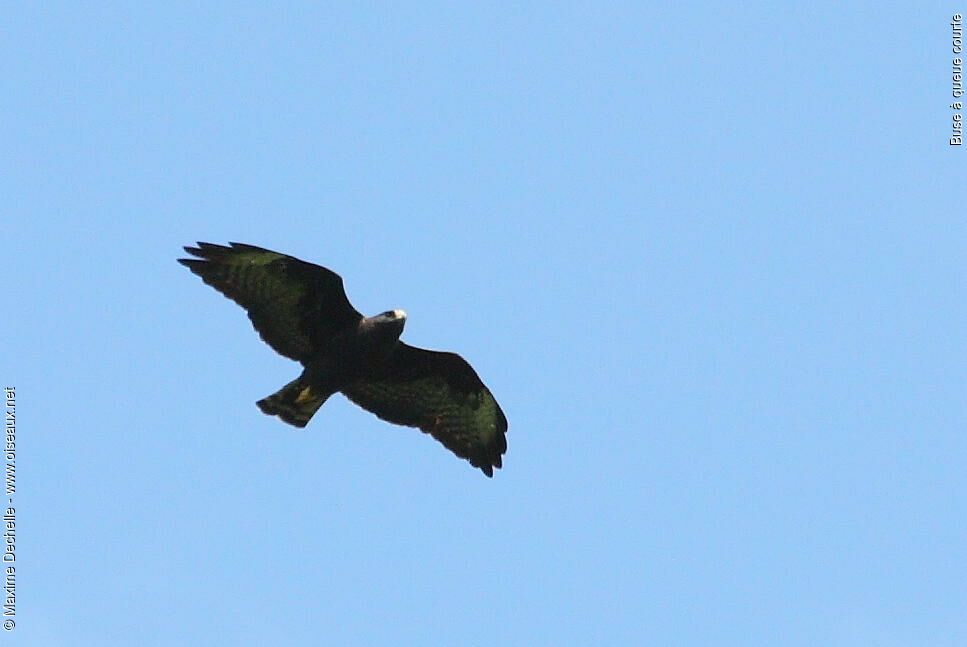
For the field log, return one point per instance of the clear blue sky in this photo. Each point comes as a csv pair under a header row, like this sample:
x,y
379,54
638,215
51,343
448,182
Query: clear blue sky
x,y
710,259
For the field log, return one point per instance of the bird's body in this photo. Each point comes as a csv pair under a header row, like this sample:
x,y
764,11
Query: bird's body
x,y
352,355
301,310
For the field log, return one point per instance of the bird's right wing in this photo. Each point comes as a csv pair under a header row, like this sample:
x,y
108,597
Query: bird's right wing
x,y
442,395
295,306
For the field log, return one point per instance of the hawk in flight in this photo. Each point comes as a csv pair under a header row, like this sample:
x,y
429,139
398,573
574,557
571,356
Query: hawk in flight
x,y
302,312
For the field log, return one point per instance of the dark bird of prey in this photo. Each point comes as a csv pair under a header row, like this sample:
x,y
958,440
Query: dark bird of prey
x,y
302,312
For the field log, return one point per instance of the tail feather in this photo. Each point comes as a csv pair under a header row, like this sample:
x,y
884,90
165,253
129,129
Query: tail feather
x,y
295,403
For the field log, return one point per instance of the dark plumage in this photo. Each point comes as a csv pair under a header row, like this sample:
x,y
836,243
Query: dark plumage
x,y
301,310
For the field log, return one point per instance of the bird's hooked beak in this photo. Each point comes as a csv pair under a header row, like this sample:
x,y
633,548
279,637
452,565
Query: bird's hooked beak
x,y
399,314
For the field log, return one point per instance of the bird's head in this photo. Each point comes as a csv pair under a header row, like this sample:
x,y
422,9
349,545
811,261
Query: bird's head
x,y
391,321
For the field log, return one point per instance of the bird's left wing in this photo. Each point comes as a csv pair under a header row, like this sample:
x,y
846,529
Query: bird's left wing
x,y
442,395
295,306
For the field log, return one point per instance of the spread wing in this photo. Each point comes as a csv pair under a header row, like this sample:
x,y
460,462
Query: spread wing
x,y
296,307
441,394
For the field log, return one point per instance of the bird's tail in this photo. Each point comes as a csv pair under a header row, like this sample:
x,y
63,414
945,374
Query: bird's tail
x,y
295,402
